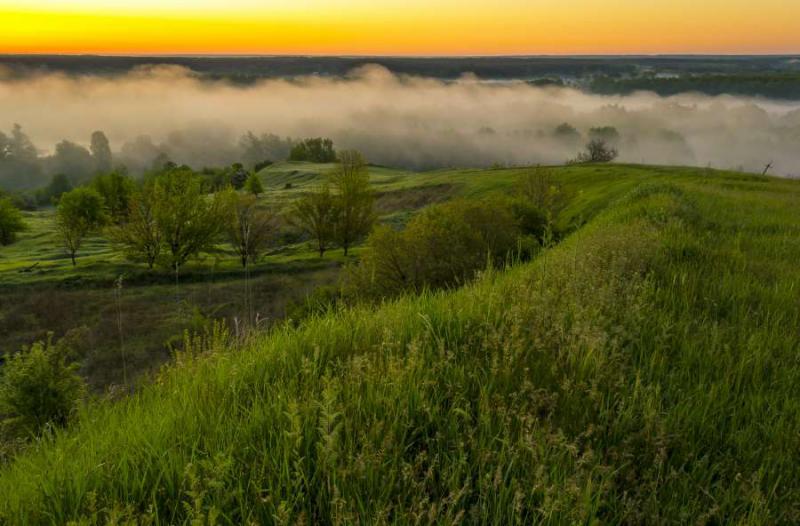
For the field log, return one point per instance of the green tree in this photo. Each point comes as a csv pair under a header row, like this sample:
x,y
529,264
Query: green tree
x,y
316,150
187,221
19,161
566,133
253,185
73,160
315,214
354,199
116,190
11,222
249,228
260,151
50,194
139,236
39,387
101,152
80,212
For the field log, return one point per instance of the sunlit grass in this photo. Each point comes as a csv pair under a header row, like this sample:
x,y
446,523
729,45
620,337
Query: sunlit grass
x,y
643,371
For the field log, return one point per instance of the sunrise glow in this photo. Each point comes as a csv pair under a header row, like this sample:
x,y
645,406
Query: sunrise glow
x,y
414,27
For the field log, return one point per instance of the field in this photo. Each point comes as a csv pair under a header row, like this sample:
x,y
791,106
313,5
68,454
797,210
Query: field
x,y
128,326
643,370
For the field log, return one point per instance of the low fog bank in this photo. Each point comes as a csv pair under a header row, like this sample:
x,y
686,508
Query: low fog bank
x,y
400,121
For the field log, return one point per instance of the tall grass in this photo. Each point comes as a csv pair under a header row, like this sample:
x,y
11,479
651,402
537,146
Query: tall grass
x,y
643,371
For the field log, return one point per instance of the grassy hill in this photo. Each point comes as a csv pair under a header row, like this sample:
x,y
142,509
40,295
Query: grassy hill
x,y
644,370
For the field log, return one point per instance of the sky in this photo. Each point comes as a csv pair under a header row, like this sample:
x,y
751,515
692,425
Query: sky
x,y
400,27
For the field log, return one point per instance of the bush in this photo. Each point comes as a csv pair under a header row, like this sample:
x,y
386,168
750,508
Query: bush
x,y
531,220
11,222
39,387
445,245
541,190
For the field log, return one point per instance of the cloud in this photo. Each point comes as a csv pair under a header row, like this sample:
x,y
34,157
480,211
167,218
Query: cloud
x,y
405,121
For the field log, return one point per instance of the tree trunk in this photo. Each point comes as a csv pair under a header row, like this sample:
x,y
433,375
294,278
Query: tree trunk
x,y
72,256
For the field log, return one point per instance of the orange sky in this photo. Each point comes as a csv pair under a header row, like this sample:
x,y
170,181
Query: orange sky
x,y
395,27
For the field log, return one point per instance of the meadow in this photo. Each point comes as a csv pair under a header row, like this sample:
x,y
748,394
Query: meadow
x,y
642,370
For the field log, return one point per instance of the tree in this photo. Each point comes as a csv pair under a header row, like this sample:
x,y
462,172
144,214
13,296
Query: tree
x,y
39,386
315,213
258,150
608,134
80,211
238,176
354,199
317,150
21,146
249,228
139,236
11,222
597,151
253,185
116,190
73,160
19,161
101,151
188,223
50,194
566,133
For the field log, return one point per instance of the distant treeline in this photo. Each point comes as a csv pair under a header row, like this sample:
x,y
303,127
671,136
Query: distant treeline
x,y
247,69
771,85
22,168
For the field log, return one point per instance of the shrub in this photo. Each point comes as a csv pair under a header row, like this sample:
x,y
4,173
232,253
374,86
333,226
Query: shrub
x,y
39,387
541,190
445,245
531,220
11,222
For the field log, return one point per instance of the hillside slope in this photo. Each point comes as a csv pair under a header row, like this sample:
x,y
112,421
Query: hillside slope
x,y
644,370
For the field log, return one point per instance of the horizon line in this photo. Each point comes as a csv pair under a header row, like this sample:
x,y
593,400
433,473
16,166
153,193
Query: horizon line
x,y
416,56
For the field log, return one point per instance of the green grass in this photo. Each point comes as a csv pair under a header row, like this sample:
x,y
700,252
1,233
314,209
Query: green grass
x,y
643,371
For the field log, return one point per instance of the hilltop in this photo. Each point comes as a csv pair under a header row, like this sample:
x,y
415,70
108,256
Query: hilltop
x,y
642,370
